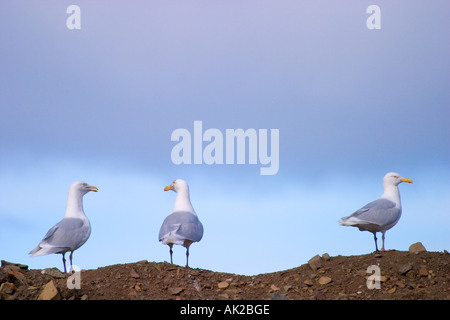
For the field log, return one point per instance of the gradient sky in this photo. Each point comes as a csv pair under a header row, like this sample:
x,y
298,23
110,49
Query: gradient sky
x,y
99,104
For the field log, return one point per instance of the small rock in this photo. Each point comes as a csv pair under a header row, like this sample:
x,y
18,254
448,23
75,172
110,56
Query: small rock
x,y
223,285
223,296
194,272
157,267
383,278
417,247
423,272
32,288
172,267
324,280
134,274
342,295
315,262
175,290
391,290
137,287
233,291
50,292
400,284
326,257
7,288
197,285
274,288
16,275
54,272
403,269
287,288
278,296
320,296
308,283
84,297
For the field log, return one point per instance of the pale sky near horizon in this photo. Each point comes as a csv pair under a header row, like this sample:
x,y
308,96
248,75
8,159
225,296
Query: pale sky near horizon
x,y
99,104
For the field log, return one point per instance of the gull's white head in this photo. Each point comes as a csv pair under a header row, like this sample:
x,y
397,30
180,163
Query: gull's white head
x,y
182,202
393,178
177,185
82,188
77,190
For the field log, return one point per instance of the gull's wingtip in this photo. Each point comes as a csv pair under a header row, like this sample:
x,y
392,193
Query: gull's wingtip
x,y
34,252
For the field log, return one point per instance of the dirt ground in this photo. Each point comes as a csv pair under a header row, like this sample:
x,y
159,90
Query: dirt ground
x,y
402,276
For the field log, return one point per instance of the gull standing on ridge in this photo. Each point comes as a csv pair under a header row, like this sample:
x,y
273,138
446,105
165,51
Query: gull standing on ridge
x,y
182,227
72,231
382,214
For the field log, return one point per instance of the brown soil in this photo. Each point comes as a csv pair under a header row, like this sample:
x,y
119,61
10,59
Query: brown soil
x,y
404,276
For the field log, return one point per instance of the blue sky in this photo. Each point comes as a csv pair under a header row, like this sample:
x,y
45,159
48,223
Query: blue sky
x,y
99,104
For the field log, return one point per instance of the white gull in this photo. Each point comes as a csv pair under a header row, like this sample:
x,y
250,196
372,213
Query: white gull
x,y
182,226
382,214
72,231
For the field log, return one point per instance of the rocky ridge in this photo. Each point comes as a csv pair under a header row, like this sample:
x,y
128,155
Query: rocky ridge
x,y
393,275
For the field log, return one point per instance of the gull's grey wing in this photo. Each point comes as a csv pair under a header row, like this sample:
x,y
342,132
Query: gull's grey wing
x,y
68,234
185,224
380,212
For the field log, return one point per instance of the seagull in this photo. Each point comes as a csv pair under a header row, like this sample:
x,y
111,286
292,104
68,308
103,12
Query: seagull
x,y
382,214
72,231
182,226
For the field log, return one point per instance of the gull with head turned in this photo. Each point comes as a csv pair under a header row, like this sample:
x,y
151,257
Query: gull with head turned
x,y
182,226
72,231
382,214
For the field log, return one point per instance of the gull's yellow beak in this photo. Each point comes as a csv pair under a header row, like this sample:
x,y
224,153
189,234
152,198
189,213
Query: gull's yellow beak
x,y
168,188
93,188
406,180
